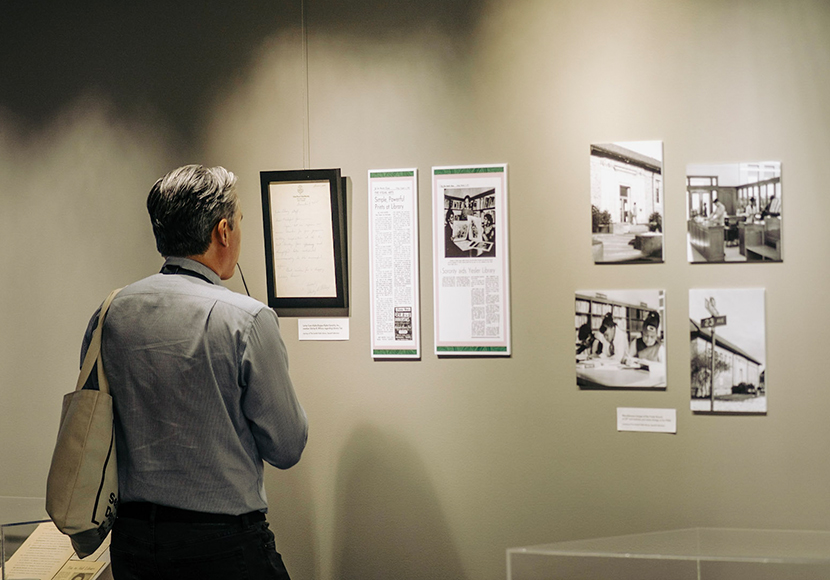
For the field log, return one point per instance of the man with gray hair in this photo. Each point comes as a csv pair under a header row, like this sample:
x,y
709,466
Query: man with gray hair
x,y
201,394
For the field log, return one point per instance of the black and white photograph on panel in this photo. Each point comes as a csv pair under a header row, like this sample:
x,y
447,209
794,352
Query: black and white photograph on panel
x,y
728,350
470,222
627,202
620,339
734,212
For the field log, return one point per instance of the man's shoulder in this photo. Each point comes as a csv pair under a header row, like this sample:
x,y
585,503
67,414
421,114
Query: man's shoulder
x,y
239,301
190,288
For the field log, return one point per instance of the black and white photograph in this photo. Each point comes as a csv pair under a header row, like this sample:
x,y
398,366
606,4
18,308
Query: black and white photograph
x,y
627,202
470,222
620,339
734,212
731,377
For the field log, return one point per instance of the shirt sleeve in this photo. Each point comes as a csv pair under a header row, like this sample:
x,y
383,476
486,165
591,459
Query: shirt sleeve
x,y
278,421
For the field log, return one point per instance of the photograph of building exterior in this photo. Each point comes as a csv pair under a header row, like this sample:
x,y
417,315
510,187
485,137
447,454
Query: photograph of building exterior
x,y
620,339
734,212
627,202
733,320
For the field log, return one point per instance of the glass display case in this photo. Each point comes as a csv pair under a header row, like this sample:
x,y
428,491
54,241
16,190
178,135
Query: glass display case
x,y
688,554
19,516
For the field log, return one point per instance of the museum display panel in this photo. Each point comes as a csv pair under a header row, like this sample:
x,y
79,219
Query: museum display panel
x,y
304,222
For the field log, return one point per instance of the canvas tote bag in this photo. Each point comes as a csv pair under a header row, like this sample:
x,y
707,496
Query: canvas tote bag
x,y
82,488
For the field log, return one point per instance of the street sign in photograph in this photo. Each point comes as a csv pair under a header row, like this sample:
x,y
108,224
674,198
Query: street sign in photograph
x,y
713,321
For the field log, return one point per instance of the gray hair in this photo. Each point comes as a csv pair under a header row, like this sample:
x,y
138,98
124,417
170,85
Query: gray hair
x,y
186,204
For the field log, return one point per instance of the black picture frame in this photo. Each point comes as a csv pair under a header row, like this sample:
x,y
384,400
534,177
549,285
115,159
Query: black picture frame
x,y
285,194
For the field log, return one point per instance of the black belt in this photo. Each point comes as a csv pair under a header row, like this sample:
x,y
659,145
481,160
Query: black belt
x,y
151,512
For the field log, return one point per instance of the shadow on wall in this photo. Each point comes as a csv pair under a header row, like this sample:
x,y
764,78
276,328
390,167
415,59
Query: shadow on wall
x,y
388,522
291,518
382,19
160,61
165,61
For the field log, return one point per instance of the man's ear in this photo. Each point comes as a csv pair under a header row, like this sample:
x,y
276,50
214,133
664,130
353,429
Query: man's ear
x,y
222,231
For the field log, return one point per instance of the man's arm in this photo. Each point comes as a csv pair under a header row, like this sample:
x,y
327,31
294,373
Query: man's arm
x,y
278,421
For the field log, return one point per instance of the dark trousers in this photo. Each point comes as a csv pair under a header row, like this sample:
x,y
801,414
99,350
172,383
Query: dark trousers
x,y
152,542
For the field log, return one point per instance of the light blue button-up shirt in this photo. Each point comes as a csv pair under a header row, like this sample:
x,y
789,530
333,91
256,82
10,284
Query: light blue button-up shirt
x,y
201,392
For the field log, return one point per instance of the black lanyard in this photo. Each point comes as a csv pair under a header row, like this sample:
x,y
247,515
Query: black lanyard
x,y
174,269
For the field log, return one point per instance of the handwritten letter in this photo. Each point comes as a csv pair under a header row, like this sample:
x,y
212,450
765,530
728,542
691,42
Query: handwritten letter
x,y
303,243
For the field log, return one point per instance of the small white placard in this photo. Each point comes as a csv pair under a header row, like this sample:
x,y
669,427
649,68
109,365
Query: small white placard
x,y
647,420
323,328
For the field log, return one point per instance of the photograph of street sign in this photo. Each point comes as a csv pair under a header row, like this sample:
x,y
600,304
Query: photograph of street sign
x,y
713,321
731,377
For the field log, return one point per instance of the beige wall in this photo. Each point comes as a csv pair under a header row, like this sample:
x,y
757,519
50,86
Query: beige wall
x,y
431,469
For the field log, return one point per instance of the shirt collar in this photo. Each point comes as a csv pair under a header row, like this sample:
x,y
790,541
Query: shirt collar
x,y
189,264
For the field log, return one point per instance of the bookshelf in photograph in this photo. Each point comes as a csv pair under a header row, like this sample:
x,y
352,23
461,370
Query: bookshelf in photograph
x,y
629,317
478,203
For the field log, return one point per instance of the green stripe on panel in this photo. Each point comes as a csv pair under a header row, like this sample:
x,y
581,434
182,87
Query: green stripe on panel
x,y
392,174
391,351
469,170
472,349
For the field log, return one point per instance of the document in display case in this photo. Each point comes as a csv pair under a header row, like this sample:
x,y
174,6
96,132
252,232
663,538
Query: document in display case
x,y
37,550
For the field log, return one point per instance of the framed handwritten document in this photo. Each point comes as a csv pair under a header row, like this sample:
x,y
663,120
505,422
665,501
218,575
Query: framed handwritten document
x,y
304,222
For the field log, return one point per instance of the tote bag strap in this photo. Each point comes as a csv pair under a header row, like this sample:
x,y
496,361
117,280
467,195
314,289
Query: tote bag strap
x,y
93,351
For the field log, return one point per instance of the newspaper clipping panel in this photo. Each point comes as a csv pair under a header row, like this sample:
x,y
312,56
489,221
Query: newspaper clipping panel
x,y
393,247
471,271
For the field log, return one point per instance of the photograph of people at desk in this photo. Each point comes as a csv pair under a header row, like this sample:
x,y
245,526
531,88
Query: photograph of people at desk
x,y
619,339
734,212
469,223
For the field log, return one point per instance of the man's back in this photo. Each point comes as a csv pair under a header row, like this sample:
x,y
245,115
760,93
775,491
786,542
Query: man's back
x,y
200,386
201,391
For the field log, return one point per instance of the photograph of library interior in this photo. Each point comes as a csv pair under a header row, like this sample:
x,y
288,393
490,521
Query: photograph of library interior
x,y
620,340
734,212
470,223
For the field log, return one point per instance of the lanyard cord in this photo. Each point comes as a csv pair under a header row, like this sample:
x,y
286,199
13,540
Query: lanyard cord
x,y
238,267
172,269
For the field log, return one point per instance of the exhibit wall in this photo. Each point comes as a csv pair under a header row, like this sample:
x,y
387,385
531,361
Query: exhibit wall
x,y
432,468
